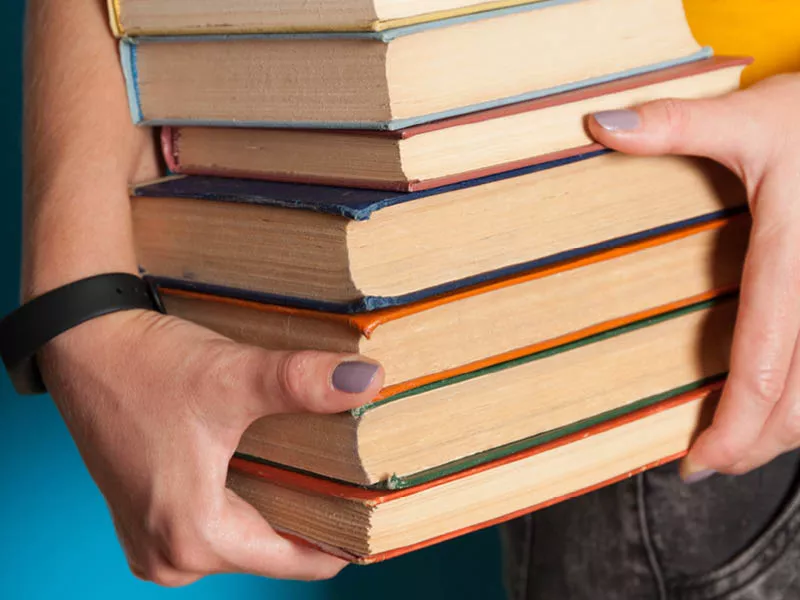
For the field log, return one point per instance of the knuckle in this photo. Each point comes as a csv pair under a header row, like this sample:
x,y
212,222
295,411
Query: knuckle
x,y
675,115
184,544
765,387
160,573
294,374
186,556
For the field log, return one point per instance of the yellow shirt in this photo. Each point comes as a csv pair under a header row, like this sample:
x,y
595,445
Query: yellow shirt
x,y
768,30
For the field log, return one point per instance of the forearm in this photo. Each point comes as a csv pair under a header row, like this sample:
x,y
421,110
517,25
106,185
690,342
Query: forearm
x,y
81,149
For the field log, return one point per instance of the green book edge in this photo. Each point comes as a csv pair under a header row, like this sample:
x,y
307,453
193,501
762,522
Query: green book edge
x,y
396,482
593,339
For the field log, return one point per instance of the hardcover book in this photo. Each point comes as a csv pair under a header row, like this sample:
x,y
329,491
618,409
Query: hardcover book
x,y
404,76
349,250
182,17
488,324
367,526
439,153
445,425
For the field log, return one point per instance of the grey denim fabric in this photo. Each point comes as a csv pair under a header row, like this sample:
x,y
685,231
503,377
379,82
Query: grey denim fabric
x,y
652,537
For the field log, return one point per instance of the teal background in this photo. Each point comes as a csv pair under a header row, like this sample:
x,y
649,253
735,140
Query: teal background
x,y
57,540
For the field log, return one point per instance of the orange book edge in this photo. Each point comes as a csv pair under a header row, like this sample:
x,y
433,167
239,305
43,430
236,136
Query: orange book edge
x,y
324,487
365,324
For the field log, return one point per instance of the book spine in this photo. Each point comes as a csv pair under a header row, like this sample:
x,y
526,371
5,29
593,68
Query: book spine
x,y
127,53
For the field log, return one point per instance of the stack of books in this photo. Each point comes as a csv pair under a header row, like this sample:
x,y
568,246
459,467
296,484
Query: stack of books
x,y
372,177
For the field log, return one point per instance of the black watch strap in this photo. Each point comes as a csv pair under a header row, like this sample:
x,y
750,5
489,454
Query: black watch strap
x,y
27,329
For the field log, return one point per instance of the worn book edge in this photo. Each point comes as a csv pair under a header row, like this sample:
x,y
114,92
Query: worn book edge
x,y
291,479
367,26
129,66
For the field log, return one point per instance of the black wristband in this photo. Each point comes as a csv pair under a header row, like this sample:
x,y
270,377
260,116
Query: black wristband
x,y
27,329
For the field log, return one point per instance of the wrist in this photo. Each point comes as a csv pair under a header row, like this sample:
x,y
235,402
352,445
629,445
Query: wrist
x,y
26,331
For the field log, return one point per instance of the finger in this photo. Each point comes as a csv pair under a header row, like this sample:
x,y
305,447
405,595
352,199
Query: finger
x,y
715,128
247,544
319,382
765,336
781,433
166,576
247,382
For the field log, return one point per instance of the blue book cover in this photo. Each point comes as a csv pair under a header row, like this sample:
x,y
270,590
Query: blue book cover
x,y
360,205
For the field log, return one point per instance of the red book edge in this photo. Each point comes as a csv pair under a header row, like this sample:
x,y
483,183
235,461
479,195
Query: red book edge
x,y
171,135
325,487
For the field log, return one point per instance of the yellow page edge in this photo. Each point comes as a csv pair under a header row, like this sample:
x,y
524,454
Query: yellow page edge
x,y
381,25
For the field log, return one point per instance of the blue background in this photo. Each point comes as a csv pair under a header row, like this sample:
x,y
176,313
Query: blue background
x,y
57,538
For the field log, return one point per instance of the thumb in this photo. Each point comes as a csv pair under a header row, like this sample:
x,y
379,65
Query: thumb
x,y
715,128
308,381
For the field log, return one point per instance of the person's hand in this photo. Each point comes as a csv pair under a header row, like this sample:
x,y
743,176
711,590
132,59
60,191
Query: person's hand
x,y
157,406
756,134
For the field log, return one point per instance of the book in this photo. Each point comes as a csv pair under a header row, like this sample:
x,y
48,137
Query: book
x,y
367,526
488,324
343,249
404,76
433,427
181,17
439,153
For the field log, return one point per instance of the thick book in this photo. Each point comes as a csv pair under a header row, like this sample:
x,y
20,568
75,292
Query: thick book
x,y
344,249
367,526
488,324
403,76
441,425
182,17
439,153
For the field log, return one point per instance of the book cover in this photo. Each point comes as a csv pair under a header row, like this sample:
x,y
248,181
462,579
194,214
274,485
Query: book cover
x,y
703,398
116,10
360,205
170,137
367,323
129,67
397,481
128,50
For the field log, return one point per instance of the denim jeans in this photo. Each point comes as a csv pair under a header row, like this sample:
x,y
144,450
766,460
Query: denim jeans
x,y
654,538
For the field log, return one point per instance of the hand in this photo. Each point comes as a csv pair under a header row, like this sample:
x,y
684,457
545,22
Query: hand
x,y
157,406
756,134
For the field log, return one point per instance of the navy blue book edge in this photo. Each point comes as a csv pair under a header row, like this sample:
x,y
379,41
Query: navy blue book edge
x,y
359,205
350,203
372,303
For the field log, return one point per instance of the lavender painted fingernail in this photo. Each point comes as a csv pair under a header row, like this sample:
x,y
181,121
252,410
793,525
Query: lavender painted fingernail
x,y
699,476
354,377
618,120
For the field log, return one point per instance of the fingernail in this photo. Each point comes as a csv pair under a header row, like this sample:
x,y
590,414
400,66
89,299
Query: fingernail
x,y
698,476
691,473
618,120
354,377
